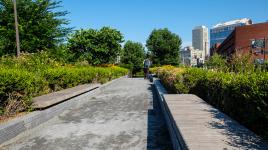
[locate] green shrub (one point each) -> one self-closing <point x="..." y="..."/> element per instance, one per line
<point x="36" y="74"/>
<point x="242" y="96"/>
<point x="31" y="62"/>
<point x="62" y="77"/>
<point x="216" y="62"/>
<point x="19" y="86"/>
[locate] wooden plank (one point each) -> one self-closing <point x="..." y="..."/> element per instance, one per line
<point x="203" y="127"/>
<point x="51" y="99"/>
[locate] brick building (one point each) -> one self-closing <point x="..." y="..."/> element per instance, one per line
<point x="240" y="42"/>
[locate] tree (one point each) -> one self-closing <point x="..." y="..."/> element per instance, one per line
<point x="217" y="62"/>
<point x="240" y="62"/>
<point x="41" y="27"/>
<point x="61" y="54"/>
<point x="133" y="56"/>
<point x="96" y="46"/>
<point x="164" y="47"/>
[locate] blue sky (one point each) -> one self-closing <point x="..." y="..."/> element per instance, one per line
<point x="137" y="18"/>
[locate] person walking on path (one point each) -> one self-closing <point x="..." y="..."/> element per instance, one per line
<point x="146" y="64"/>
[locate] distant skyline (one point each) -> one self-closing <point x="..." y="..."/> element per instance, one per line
<point x="137" y="18"/>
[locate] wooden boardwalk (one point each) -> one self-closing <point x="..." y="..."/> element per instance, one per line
<point x="51" y="99"/>
<point x="202" y="127"/>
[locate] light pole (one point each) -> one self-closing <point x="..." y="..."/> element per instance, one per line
<point x="16" y="28"/>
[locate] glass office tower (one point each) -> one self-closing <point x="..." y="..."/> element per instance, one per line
<point x="221" y="31"/>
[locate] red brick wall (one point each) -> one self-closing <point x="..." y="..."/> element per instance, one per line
<point x="240" y="40"/>
<point x="245" y="34"/>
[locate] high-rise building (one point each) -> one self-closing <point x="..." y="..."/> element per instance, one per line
<point x="200" y="39"/>
<point x="191" y="57"/>
<point x="221" y="31"/>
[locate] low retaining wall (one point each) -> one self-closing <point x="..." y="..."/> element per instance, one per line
<point x="194" y="124"/>
<point x="16" y="126"/>
<point x="176" y="139"/>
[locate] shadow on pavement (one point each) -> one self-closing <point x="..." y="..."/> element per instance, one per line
<point x="238" y="136"/>
<point x="158" y="137"/>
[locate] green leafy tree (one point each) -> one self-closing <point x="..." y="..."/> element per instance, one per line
<point x="41" y="26"/>
<point x="61" y="54"/>
<point x="133" y="55"/>
<point x="217" y="62"/>
<point x="164" y="47"/>
<point x="96" y="46"/>
<point x="242" y="63"/>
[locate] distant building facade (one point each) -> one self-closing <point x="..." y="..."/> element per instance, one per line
<point x="221" y="31"/>
<point x="241" y="39"/>
<point x="200" y="39"/>
<point x="191" y="57"/>
<point x="214" y="48"/>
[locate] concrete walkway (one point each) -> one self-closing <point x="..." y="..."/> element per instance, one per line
<point x="125" y="115"/>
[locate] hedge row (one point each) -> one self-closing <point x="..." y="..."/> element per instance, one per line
<point x="18" y="86"/>
<point x="244" y="97"/>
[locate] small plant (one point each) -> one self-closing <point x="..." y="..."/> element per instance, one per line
<point x="216" y="62"/>
<point x="242" y="63"/>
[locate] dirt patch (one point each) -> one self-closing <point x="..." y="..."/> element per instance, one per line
<point x="5" y="118"/>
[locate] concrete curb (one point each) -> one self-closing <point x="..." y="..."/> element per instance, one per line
<point x="177" y="141"/>
<point x="16" y="126"/>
